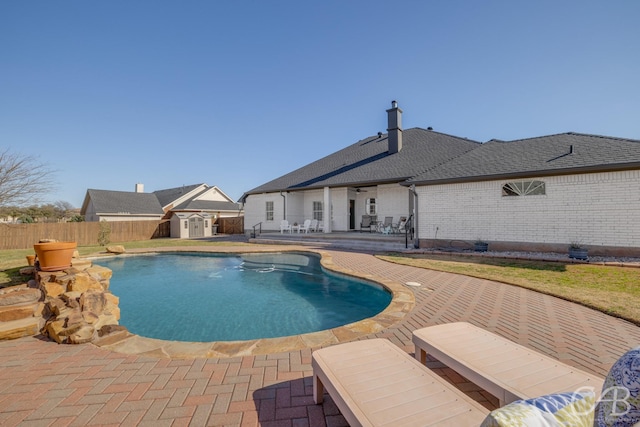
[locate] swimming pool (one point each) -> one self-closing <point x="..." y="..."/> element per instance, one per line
<point x="206" y="297"/>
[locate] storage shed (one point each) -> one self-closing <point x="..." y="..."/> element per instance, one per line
<point x="191" y="225"/>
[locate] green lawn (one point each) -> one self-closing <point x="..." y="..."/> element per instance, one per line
<point x="612" y="290"/>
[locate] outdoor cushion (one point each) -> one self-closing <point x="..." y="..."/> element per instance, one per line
<point x="619" y="405"/>
<point x="553" y="410"/>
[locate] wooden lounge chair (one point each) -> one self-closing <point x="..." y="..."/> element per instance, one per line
<point x="375" y="383"/>
<point x="505" y="369"/>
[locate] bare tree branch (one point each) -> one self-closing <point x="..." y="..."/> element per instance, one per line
<point x="23" y="179"/>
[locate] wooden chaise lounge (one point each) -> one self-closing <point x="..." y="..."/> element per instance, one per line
<point x="375" y="383"/>
<point x="505" y="369"/>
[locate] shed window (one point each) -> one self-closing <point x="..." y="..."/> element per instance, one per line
<point x="317" y="211"/>
<point x="524" y="188"/>
<point x="269" y="211"/>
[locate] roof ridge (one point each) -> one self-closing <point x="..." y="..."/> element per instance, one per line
<point x="461" y="138"/>
<point x="590" y="135"/>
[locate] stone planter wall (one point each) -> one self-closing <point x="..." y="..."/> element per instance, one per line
<point x="21" y="311"/>
<point x="70" y="306"/>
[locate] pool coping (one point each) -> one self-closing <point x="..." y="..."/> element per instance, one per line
<point x="402" y="303"/>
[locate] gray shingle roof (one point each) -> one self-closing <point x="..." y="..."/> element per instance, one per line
<point x="107" y="201"/>
<point x="171" y="194"/>
<point x="545" y="155"/>
<point x="126" y="202"/>
<point x="368" y="162"/>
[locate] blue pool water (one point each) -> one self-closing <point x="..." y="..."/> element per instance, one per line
<point x="213" y="297"/>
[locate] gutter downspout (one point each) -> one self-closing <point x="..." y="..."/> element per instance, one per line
<point x="416" y="241"/>
<point x="284" y="205"/>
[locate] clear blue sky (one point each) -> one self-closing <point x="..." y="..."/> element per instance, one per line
<point x="236" y="93"/>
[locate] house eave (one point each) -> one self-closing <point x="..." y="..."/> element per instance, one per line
<point x="528" y="174"/>
<point x="358" y="184"/>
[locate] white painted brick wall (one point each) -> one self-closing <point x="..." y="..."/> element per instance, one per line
<point x="255" y="211"/>
<point x="595" y="209"/>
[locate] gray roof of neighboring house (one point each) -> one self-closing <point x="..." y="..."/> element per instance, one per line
<point x="171" y="194"/>
<point x="107" y="201"/>
<point x="369" y="162"/>
<point x="134" y="203"/>
<point x="541" y="156"/>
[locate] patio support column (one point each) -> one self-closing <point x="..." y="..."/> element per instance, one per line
<point x="326" y="214"/>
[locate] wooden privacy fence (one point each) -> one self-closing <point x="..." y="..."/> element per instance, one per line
<point x="232" y="225"/>
<point x="23" y="236"/>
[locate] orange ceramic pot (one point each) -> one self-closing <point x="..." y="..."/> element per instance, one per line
<point x="54" y="256"/>
<point x="31" y="259"/>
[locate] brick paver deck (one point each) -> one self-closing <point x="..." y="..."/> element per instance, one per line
<point x="46" y="384"/>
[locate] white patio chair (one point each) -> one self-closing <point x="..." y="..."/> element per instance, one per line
<point x="304" y="228"/>
<point x="314" y="225"/>
<point x="285" y="226"/>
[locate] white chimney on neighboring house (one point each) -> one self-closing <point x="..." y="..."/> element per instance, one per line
<point x="395" y="128"/>
<point x="139" y="188"/>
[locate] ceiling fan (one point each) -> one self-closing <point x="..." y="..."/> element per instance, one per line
<point x="358" y="190"/>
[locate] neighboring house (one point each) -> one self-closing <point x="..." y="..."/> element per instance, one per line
<point x="532" y="194"/>
<point x="192" y="209"/>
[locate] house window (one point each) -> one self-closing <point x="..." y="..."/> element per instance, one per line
<point x="186" y="225"/>
<point x="524" y="188"/>
<point x="269" y="211"/>
<point x="317" y="211"/>
<point x="371" y="207"/>
<point x="206" y="223"/>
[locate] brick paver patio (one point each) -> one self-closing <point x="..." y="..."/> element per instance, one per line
<point x="46" y="384"/>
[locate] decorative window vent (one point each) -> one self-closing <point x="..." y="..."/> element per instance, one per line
<point x="524" y="188"/>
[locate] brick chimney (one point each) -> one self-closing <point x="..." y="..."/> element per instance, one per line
<point x="395" y="128"/>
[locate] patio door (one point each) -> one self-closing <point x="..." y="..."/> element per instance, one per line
<point x="352" y="214"/>
<point x="196" y="227"/>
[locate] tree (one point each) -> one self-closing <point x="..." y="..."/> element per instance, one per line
<point x="23" y="179"/>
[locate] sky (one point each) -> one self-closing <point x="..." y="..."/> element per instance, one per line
<point x="234" y="94"/>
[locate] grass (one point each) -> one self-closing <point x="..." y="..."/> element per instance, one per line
<point x="11" y="261"/>
<point x="612" y="290"/>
